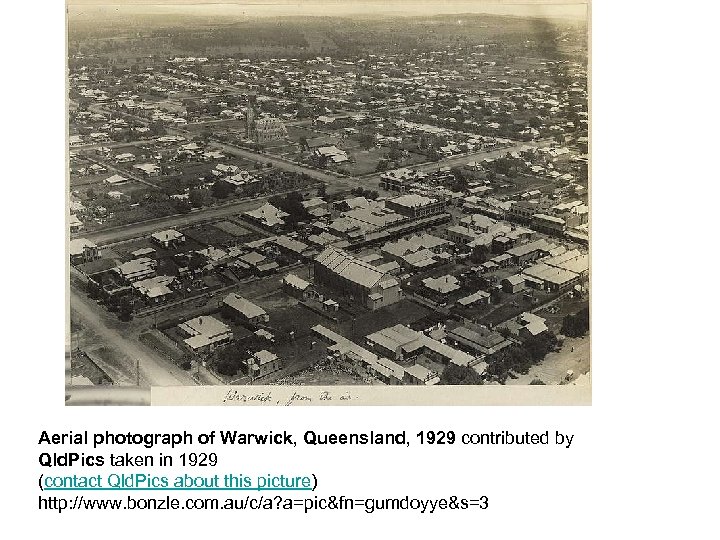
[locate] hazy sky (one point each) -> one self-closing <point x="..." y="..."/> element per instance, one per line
<point x="573" y="9"/>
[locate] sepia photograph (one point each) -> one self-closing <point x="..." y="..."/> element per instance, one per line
<point x="328" y="202"/>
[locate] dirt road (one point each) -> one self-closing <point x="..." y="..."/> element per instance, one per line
<point x="154" y="370"/>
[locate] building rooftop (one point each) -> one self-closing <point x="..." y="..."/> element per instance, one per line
<point x="204" y="325"/>
<point x="243" y="306"/>
<point x="412" y="200"/>
<point x="443" y="284"/>
<point x="78" y="245"/>
<point x="349" y="267"/>
<point x="167" y="235"/>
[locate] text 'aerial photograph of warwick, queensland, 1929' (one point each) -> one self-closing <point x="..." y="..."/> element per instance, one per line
<point x="361" y="195"/>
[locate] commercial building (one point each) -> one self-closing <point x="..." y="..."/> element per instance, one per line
<point x="400" y="179"/>
<point x="415" y="206"/>
<point x="404" y="344"/>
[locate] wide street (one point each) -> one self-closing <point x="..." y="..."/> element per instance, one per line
<point x="145" y="228"/>
<point x="334" y="184"/>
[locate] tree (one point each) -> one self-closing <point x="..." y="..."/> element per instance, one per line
<point x="576" y="325"/>
<point x="536" y="382"/>
<point x="94" y="289"/>
<point x="221" y="189"/>
<point x="126" y="309"/>
<point x="394" y="154"/>
<point x="292" y="204"/>
<point x="454" y="374"/>
<point x="479" y="254"/>
<point x="182" y="206"/>
<point x="199" y="197"/>
<point x="459" y="183"/>
<point x="538" y="346"/>
<point x="433" y="155"/>
<point x="366" y="141"/>
<point x="196" y="262"/>
<point x="186" y="362"/>
<point x="230" y="359"/>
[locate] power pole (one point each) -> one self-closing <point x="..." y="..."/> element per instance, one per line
<point x="137" y="372"/>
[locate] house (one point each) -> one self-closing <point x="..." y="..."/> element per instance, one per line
<point x="126" y="157"/>
<point x="214" y="256"/>
<point x="477" y="298"/>
<point x="295" y="285"/>
<point x="205" y="333"/>
<point x="357" y="279"/>
<point x="443" y="284"/>
<point x="476" y="338"/>
<point x="168" y="238"/>
<point x="137" y="269"/>
<point x="263" y="362"/>
<point x="222" y="169"/>
<point x="82" y="251"/>
<point x="257" y="263"/>
<point x="323" y="239"/>
<point x="239" y="308"/>
<point x="155" y="289"/>
<point x="419" y="251"/>
<point x="316" y="207"/>
<point x="241" y="178"/>
<point x="143" y="252"/>
<point x="76" y="225"/>
<point x="526" y="325"/>
<point x="513" y="284"/>
<point x="268" y="216"/>
<point x="116" y="180"/>
<point x="148" y="169"/>
<point x="331" y="153"/>
<point x="291" y="246"/>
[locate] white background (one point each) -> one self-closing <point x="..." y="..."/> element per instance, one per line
<point x="641" y="461"/>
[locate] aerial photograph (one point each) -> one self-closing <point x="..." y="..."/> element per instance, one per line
<point x="327" y="194"/>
